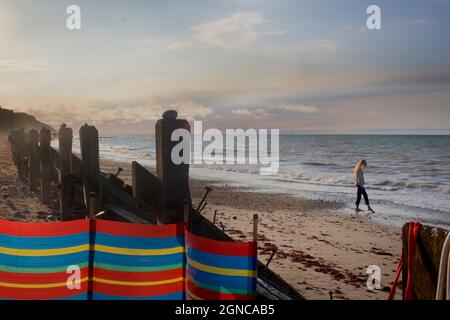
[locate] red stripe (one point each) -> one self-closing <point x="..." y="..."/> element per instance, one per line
<point x="397" y="275"/>
<point x="43" y="229"/>
<point x="138" y="276"/>
<point x="414" y="228"/>
<point x="220" y="247"/>
<point x="138" y="230"/>
<point x="213" y="295"/>
<point x="38" y="278"/>
<point x="135" y="291"/>
<point x="40" y="294"/>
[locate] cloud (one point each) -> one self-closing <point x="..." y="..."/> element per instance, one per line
<point x="241" y="112"/>
<point x="326" y="45"/>
<point x="238" y="30"/>
<point x="22" y="66"/>
<point x="259" y="113"/>
<point x="190" y="109"/>
<point x="295" y="108"/>
<point x="123" y="112"/>
<point x="178" y="45"/>
<point x="272" y="110"/>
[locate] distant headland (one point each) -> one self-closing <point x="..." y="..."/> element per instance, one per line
<point x="10" y="120"/>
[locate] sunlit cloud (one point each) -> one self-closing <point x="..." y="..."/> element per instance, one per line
<point x="295" y="108"/>
<point x="122" y="112"/>
<point x="273" y="110"/>
<point x="238" y="30"/>
<point x="241" y="112"/>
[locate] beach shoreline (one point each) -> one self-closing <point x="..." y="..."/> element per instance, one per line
<point x="320" y="250"/>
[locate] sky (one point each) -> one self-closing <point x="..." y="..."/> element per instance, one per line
<point x="295" y="65"/>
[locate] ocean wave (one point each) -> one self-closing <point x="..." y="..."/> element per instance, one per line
<point x="319" y="164"/>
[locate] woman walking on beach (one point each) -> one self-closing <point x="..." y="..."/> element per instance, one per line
<point x="358" y="179"/>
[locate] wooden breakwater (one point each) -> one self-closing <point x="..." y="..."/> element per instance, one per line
<point x="85" y="191"/>
<point x="423" y="269"/>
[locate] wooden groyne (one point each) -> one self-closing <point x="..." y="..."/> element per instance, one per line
<point x="423" y="269"/>
<point x="86" y="191"/>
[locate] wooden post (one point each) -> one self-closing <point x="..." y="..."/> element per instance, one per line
<point x="18" y="151"/>
<point x="65" y="137"/>
<point x="92" y="205"/>
<point x="45" y="137"/>
<point x="187" y="213"/>
<point x="174" y="177"/>
<point x="26" y="150"/>
<point x="33" y="159"/>
<point x="255" y="228"/>
<point x="13" y="145"/>
<point x="91" y="166"/>
<point x="214" y="218"/>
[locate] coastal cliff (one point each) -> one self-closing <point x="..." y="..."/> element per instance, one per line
<point x="10" y="120"/>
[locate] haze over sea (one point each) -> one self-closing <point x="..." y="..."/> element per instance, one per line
<point x="408" y="176"/>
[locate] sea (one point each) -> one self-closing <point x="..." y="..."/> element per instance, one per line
<point x="407" y="177"/>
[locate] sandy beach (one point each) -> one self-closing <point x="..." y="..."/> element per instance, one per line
<point x="17" y="203"/>
<point x="321" y="250"/>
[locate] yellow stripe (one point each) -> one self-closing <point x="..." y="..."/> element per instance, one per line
<point x="43" y="253"/>
<point x="138" y="252"/>
<point x="39" y="286"/>
<point x="222" y="271"/>
<point x="148" y="283"/>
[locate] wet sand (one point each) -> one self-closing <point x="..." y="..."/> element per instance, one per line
<point x="320" y="249"/>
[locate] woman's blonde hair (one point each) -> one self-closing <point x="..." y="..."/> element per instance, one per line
<point x="359" y="167"/>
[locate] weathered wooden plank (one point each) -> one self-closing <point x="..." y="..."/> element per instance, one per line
<point x="430" y="241"/>
<point x="91" y="166"/>
<point x="174" y="177"/>
<point x="33" y="159"/>
<point x="44" y="146"/>
<point x="146" y="188"/>
<point x="77" y="168"/>
<point x="121" y="214"/>
<point x="65" y="136"/>
<point x="114" y="193"/>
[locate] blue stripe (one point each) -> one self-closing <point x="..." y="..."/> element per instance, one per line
<point x="222" y="261"/>
<point x="44" y="262"/>
<point x="138" y="242"/>
<point x="171" y="296"/>
<point x="82" y="296"/>
<point x="227" y="282"/>
<point x="138" y="261"/>
<point x="43" y="243"/>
